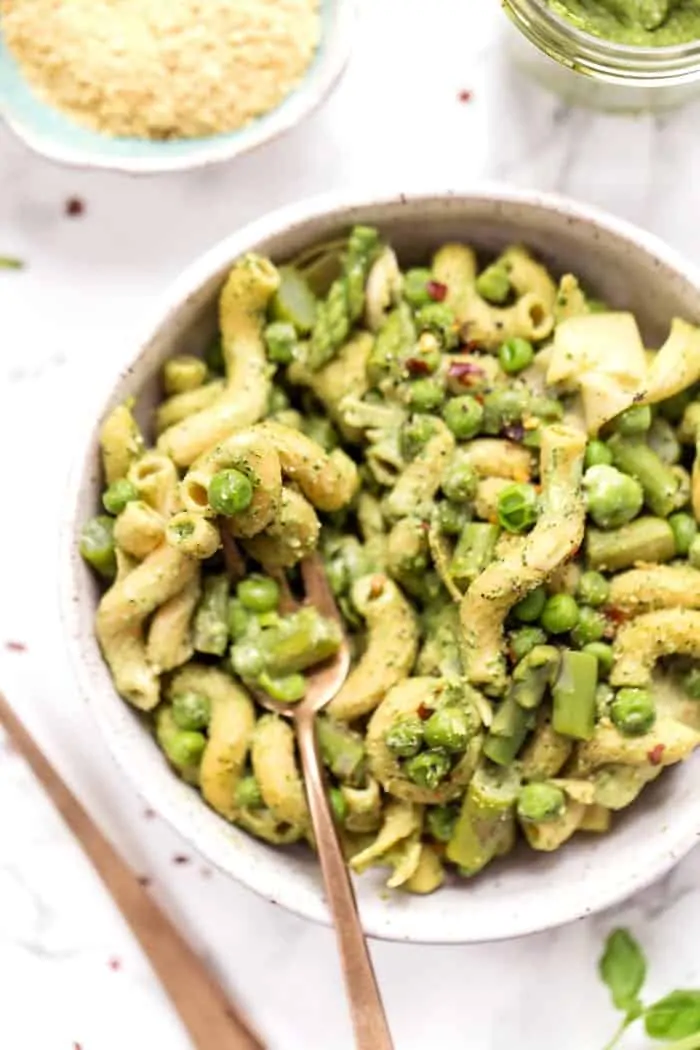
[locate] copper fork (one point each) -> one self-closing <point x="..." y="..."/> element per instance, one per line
<point x="323" y="682"/>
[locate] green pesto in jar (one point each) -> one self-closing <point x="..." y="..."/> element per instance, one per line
<point x="637" y="23"/>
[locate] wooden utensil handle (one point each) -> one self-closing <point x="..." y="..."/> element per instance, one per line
<point x="198" y="999"/>
<point x="369" y="1019"/>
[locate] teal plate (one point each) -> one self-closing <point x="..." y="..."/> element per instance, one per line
<point x="53" y="135"/>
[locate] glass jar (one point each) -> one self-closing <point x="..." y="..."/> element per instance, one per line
<point x="591" y="71"/>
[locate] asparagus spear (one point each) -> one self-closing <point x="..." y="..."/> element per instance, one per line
<point x="573" y="695"/>
<point x="210" y="629"/>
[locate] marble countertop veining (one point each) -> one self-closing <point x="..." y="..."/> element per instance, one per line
<point x="426" y="99"/>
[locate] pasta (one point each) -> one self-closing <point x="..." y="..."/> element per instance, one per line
<point x="504" y="484"/>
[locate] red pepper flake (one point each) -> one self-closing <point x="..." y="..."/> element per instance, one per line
<point x="181" y="858"/>
<point x="144" y="880"/>
<point x="615" y="615"/>
<point x="470" y="346"/>
<point x="417" y="366"/>
<point x="14" y="646"/>
<point x="149" y="813"/>
<point x="376" y="586"/>
<point x="465" y="95"/>
<point x="656" y="754"/>
<point x="115" y="963"/>
<point x="424" y="712"/>
<point x="466" y="372"/>
<point x="437" y="291"/>
<point x="74" y="207"/>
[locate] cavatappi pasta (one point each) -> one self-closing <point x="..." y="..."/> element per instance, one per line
<point x="504" y="483"/>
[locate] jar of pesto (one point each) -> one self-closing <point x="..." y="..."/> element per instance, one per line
<point x="616" y="55"/>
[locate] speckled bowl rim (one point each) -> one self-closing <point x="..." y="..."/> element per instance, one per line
<point x="317" y="84"/>
<point x="224" y="845"/>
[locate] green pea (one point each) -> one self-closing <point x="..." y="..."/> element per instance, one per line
<point x="593" y="589"/>
<point x="248" y="794"/>
<point x="691" y="683"/>
<point x="229" y="492"/>
<point x="591" y="626"/>
<point x="450" y="728"/>
<point x="428" y="768"/>
<point x="405" y="737"/>
<point x="339" y="806"/>
<point x="451" y="517"/>
<point x="529" y="609"/>
<point x="425" y="395"/>
<point x="463" y="416"/>
<point x="503" y="407"/>
<point x="694" y="553"/>
<point x="539" y="803"/>
<point x="286" y="688"/>
<point x="415" y="434"/>
<point x="214" y="356"/>
<point x="239" y="619"/>
<point x="281" y="342"/>
<point x="603" y="654"/>
<point x="604" y="697"/>
<point x="441" y="821"/>
<point x="546" y="408"/>
<point x="97" y="545"/>
<point x="612" y="498"/>
<point x="517" y="507"/>
<point x="633" y="421"/>
<point x="685" y="530"/>
<point x="515" y="354"/>
<point x="493" y="284"/>
<point x="459" y="481"/>
<point x="439" y="318"/>
<point x="416" y="287"/>
<point x="560" y="614"/>
<point x="185" y="748"/>
<point x="633" y="711"/>
<point x="258" y="593"/>
<point x="118" y="494"/>
<point x="524" y="640"/>
<point x="278" y="401"/>
<point x="191" y="710"/>
<point x="597" y="454"/>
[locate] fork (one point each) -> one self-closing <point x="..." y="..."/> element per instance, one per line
<point x="323" y="682"/>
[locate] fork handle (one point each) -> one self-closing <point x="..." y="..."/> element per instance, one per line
<point x="366" y="1007"/>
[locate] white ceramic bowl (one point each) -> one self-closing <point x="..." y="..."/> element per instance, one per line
<point x="49" y="133"/>
<point x="529" y="891"/>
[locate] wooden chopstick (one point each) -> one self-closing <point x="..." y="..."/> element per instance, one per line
<point x="211" y="1021"/>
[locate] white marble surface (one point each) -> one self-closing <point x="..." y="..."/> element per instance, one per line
<point x="70" y="973"/>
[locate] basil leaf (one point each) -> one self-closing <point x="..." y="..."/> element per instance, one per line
<point x="623" y="968"/>
<point x="675" y="1016"/>
<point x="7" y="262"/>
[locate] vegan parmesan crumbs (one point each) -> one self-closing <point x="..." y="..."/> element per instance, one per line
<point x="162" y="69"/>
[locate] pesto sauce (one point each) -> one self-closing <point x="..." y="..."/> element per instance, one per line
<point x="638" y="23"/>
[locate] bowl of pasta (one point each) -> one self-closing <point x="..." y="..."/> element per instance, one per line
<point x="480" y="408"/>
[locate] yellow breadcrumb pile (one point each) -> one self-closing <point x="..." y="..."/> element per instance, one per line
<point x="162" y="68"/>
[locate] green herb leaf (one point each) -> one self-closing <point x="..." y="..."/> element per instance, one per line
<point x="8" y="263"/>
<point x="623" y="968"/>
<point x="675" y="1016"/>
